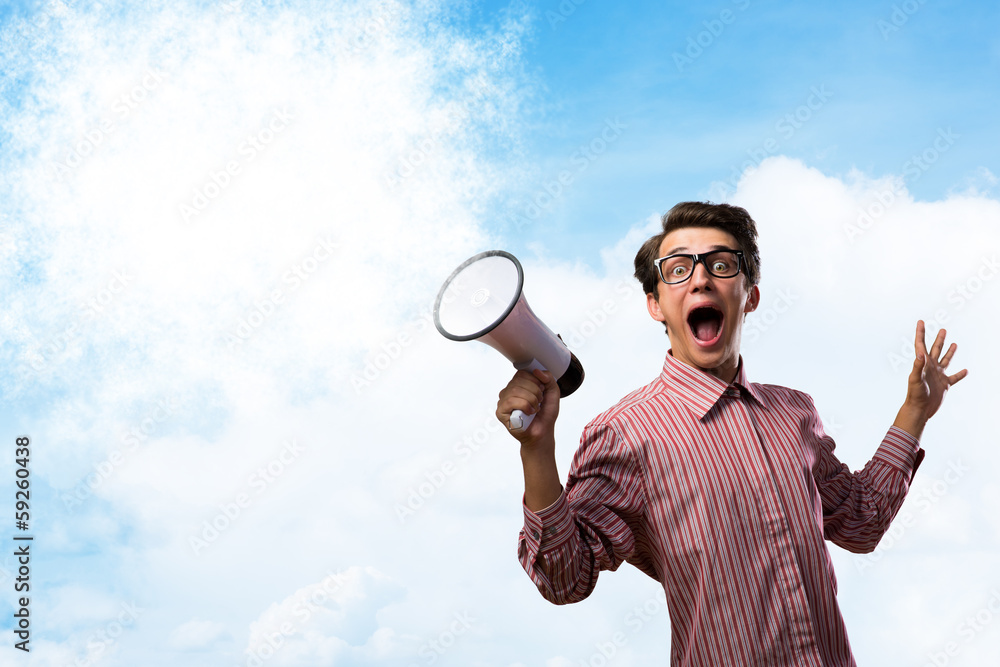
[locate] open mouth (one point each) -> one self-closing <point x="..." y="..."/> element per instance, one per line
<point x="705" y="323"/>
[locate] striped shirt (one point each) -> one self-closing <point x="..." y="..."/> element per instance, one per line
<point x="724" y="494"/>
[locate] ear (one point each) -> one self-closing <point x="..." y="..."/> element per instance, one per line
<point x="653" y="306"/>
<point x="753" y="300"/>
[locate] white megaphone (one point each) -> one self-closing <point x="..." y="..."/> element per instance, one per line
<point x="482" y="300"/>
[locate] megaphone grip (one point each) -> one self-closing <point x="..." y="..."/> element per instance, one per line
<point x="519" y="421"/>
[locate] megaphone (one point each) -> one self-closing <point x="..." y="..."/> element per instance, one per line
<point x="482" y="300"/>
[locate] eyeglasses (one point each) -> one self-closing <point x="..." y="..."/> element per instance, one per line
<point x="675" y="269"/>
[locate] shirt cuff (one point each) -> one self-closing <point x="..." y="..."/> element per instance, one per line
<point x="901" y="450"/>
<point x="548" y="528"/>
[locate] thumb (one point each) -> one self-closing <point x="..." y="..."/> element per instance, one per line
<point x="918" y="367"/>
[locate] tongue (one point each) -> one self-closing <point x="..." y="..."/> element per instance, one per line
<point x="706" y="329"/>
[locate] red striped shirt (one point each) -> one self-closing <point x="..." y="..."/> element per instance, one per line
<point x="724" y="494"/>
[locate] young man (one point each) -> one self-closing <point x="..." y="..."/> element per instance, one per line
<point x="720" y="488"/>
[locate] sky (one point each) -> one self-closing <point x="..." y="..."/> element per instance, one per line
<point x="222" y="232"/>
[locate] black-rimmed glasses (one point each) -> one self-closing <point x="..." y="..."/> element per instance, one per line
<point x="675" y="269"/>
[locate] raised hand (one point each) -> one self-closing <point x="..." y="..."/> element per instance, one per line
<point x="928" y="381"/>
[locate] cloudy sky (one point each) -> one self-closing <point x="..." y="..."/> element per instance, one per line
<point x="223" y="227"/>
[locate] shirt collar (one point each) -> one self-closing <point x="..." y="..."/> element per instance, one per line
<point x="698" y="390"/>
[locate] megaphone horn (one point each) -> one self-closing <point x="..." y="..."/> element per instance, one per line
<point x="482" y="300"/>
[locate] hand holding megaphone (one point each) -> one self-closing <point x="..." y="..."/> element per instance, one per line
<point x="482" y="300"/>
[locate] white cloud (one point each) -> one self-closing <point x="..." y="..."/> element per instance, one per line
<point x="334" y="619"/>
<point x="439" y="111"/>
<point x="197" y="634"/>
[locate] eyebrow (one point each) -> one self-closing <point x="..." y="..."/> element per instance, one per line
<point x="717" y="246"/>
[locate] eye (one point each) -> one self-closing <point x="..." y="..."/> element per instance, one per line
<point x="678" y="271"/>
<point x="720" y="266"/>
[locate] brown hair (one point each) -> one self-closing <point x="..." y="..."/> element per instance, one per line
<point x="728" y="218"/>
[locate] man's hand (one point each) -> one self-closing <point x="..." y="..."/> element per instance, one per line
<point x="928" y="382"/>
<point x="532" y="393"/>
<point x="535" y="393"/>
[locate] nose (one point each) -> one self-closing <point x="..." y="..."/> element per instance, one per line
<point x="700" y="277"/>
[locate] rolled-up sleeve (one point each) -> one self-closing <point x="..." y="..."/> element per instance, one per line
<point x="591" y="527"/>
<point x="858" y="507"/>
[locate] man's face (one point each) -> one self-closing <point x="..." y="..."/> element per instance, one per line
<point x="704" y="314"/>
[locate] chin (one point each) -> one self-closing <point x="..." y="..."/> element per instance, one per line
<point x="709" y="361"/>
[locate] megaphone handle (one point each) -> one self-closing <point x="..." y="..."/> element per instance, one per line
<point x="518" y="420"/>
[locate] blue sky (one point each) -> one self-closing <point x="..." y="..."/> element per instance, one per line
<point x="889" y="89"/>
<point x="224" y="227"/>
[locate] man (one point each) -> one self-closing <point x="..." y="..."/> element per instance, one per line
<point x="720" y="488"/>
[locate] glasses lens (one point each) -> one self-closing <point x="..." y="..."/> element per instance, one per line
<point x="723" y="264"/>
<point x="675" y="269"/>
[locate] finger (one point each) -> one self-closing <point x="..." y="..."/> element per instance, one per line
<point x="525" y="399"/>
<point x="958" y="376"/>
<point x="918" y="344"/>
<point x="526" y="380"/>
<point x="551" y="384"/>
<point x="946" y="359"/>
<point x="938" y="344"/>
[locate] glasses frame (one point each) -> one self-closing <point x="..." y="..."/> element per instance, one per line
<point x="700" y="259"/>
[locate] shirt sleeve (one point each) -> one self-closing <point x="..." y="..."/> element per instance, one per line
<point x="858" y="507"/>
<point x="591" y="527"/>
